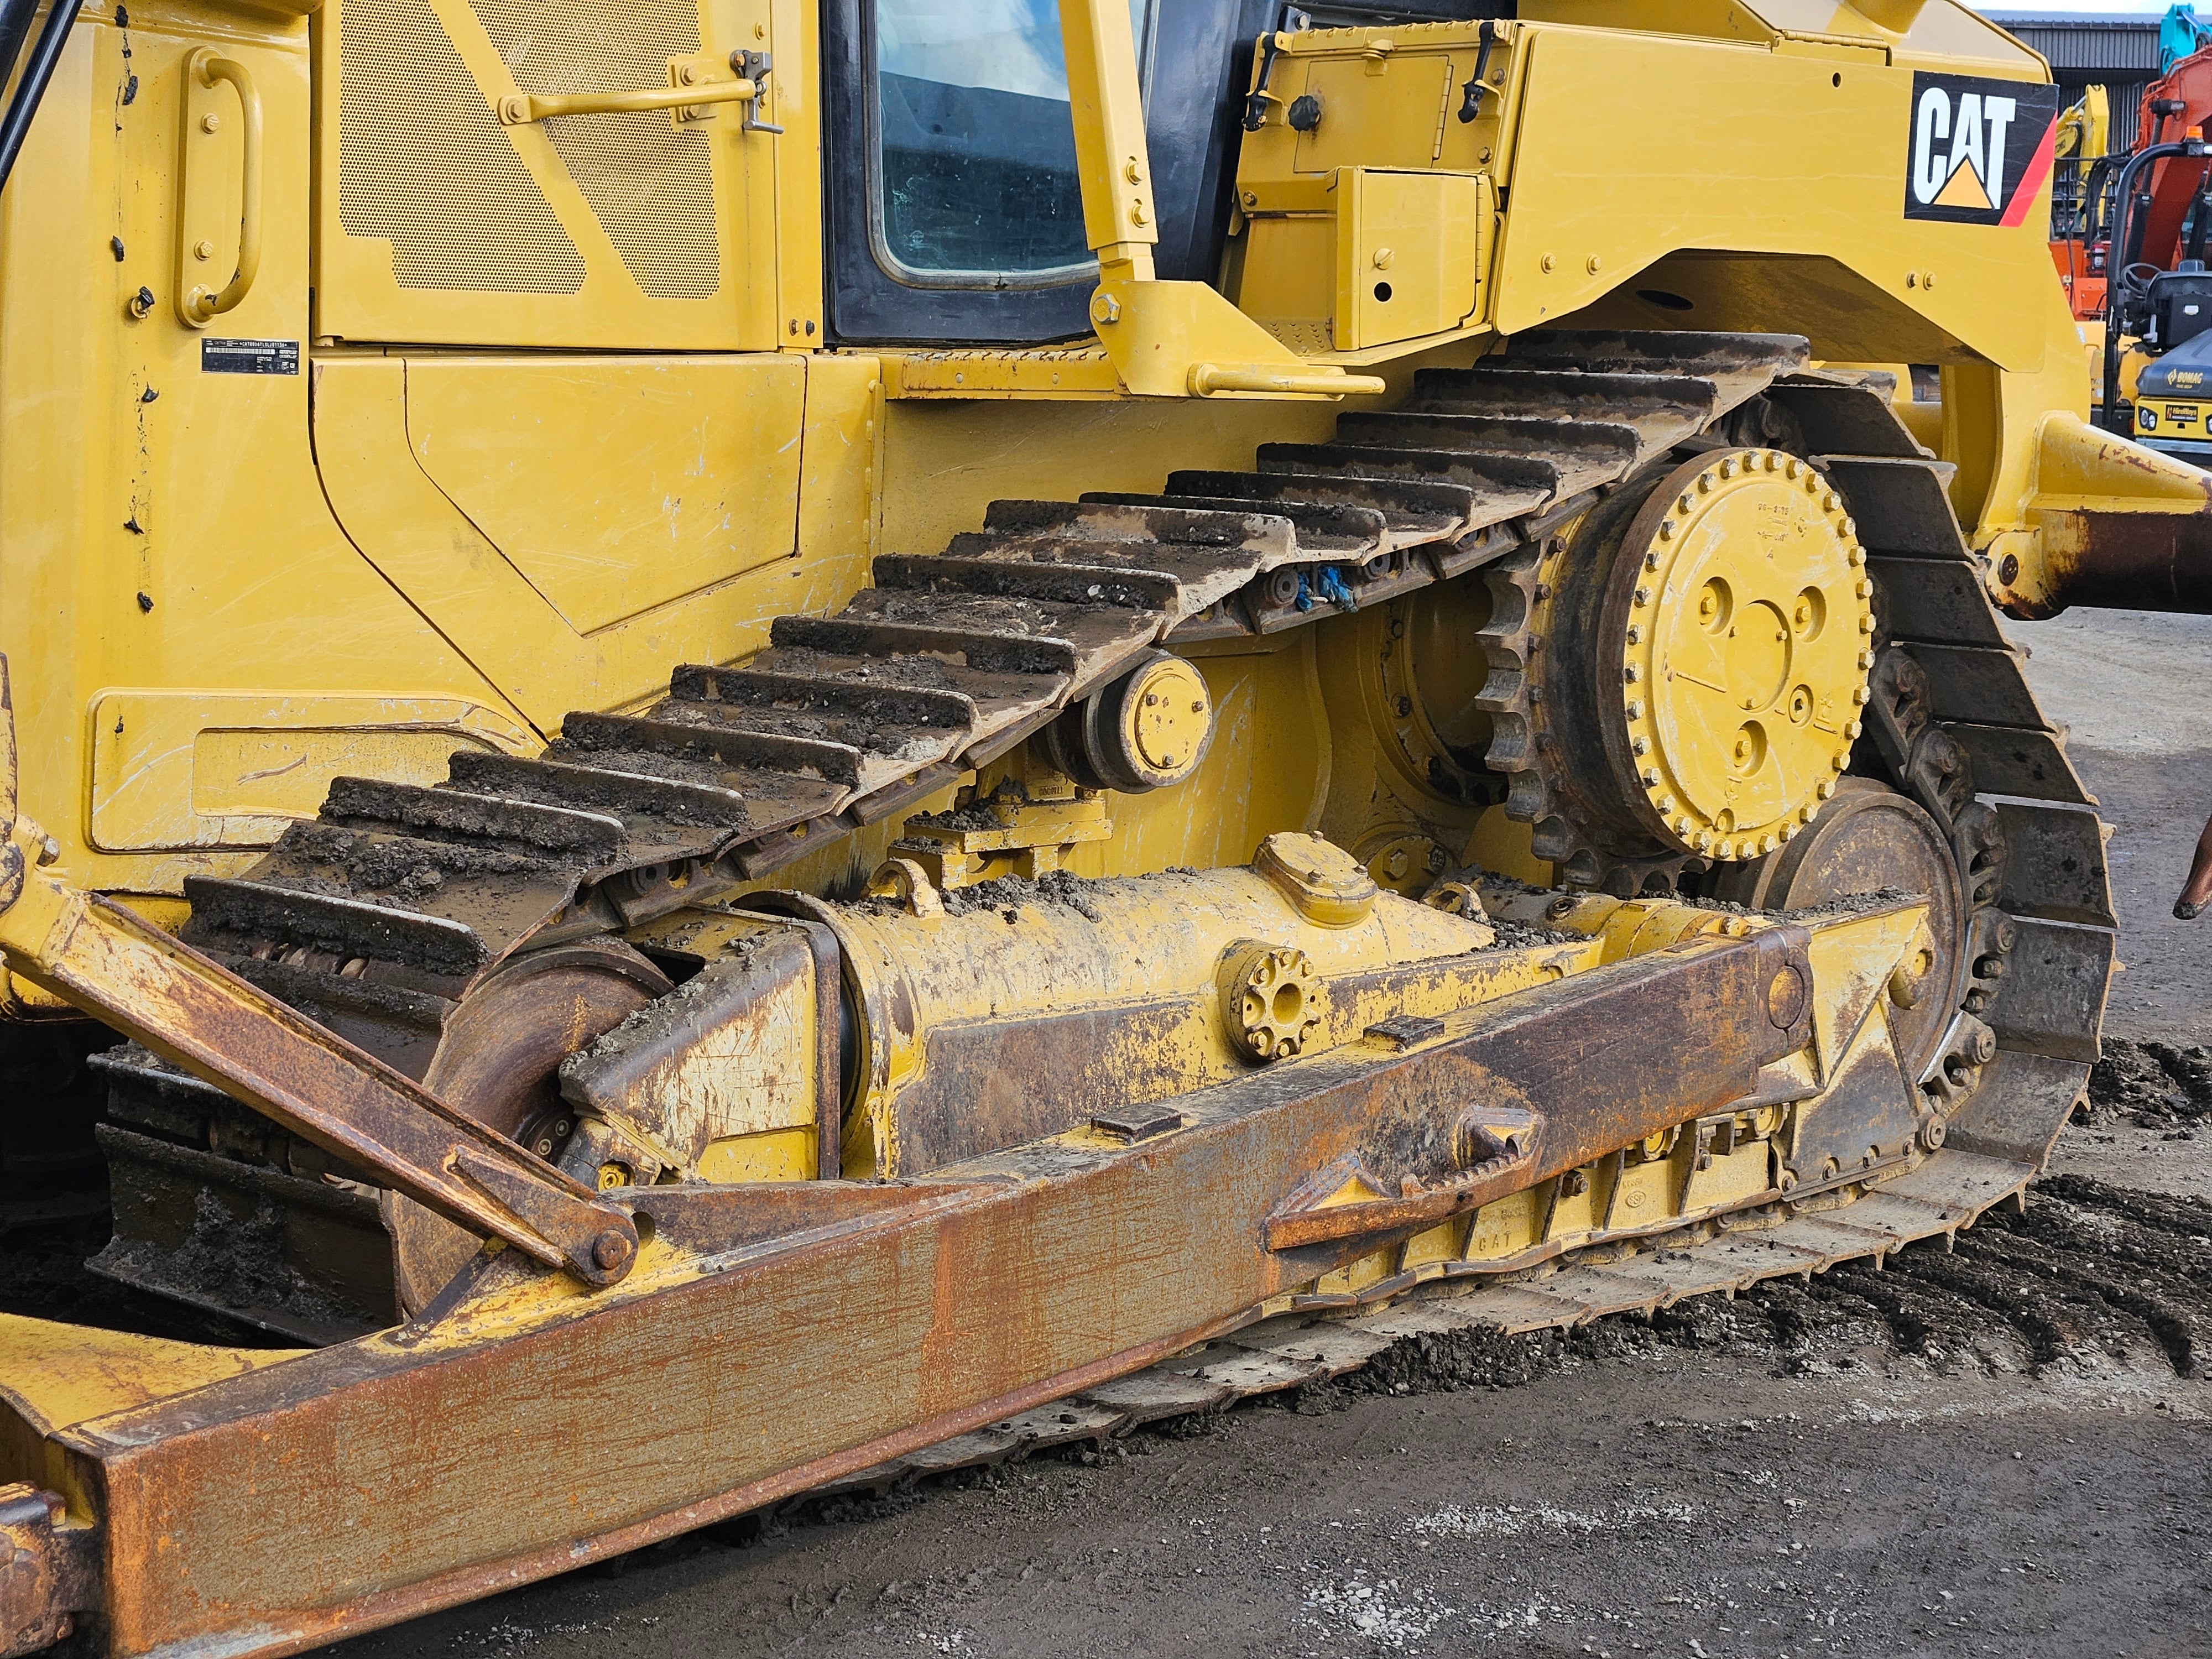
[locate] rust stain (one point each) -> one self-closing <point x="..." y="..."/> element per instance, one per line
<point x="2130" y="560"/>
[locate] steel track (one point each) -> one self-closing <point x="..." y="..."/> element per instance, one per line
<point x="384" y="910"/>
<point x="379" y="915"/>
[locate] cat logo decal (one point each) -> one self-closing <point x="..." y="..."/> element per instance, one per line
<point x="1980" y="150"/>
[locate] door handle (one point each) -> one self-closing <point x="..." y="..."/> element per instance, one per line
<point x="688" y="94"/>
<point x="204" y="71"/>
<point x="524" y="107"/>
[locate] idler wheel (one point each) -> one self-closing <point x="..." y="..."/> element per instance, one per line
<point x="1867" y="838"/>
<point x="499" y="1061"/>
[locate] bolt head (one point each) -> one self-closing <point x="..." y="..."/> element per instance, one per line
<point x="609" y="1250"/>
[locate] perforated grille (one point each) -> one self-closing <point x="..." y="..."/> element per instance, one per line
<point x="423" y="163"/>
<point x="651" y="186"/>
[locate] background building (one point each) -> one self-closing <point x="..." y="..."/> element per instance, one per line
<point x="2117" y="51"/>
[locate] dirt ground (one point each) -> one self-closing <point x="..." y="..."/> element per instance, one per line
<point x="2006" y="1449"/>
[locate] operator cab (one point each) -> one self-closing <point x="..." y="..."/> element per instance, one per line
<point x="955" y="213"/>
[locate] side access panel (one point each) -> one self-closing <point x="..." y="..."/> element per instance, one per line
<point x="578" y="524"/>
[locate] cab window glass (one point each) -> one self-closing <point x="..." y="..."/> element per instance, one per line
<point x="975" y="178"/>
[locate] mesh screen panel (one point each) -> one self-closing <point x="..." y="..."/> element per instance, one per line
<point x="424" y="162"/>
<point x="651" y="185"/>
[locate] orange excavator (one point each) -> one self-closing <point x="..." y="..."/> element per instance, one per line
<point x="2129" y="244"/>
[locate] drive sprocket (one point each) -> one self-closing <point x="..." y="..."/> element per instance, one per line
<point x="1680" y="677"/>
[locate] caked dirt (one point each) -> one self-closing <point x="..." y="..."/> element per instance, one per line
<point x="2005" y="1447"/>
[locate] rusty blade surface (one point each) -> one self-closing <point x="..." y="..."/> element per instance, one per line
<point x="186" y="1008"/>
<point x="998" y="1285"/>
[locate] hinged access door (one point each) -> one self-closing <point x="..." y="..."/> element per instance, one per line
<point x="452" y="208"/>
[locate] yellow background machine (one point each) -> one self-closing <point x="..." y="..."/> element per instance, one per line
<point x="784" y="730"/>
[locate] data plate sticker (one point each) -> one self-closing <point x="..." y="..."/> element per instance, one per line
<point x="249" y="357"/>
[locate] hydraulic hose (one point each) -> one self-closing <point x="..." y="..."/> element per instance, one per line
<point x="14" y="28"/>
<point x="38" y="69"/>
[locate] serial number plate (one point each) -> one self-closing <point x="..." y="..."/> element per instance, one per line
<point x="249" y="357"/>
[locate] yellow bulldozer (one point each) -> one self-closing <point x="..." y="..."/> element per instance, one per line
<point x="788" y="744"/>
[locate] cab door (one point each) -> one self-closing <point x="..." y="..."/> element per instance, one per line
<point x="548" y="402"/>
<point x="438" y="222"/>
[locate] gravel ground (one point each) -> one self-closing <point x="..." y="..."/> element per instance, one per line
<point x="2004" y="1449"/>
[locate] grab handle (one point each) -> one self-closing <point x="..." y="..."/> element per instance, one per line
<point x="203" y="71"/>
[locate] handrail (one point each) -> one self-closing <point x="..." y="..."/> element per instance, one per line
<point x="522" y="108"/>
<point x="197" y="307"/>
<point x="1206" y="380"/>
